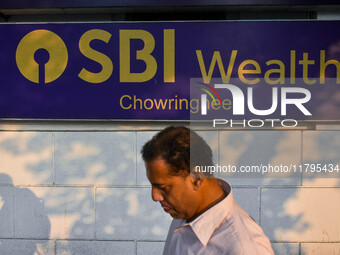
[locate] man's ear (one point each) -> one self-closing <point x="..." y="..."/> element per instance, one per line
<point x="196" y="179"/>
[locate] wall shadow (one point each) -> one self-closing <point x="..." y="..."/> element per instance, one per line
<point x="31" y="220"/>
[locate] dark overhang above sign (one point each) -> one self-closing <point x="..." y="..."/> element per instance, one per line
<point x="19" y="4"/>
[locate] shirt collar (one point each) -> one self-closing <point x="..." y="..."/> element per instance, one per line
<point x="205" y="225"/>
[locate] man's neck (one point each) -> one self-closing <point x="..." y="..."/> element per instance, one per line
<point x="212" y="194"/>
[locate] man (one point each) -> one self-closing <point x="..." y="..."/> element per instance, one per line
<point x="206" y="218"/>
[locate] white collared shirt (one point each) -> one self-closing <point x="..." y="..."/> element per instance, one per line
<point x="224" y="229"/>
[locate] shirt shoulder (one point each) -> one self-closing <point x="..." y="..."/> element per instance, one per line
<point x="247" y="232"/>
<point x="176" y="223"/>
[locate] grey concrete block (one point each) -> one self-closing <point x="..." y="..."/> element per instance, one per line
<point x="150" y="248"/>
<point x="6" y="212"/>
<point x="129" y="214"/>
<point x="26" y="247"/>
<point x="286" y="248"/>
<point x="31" y="217"/>
<point x="320" y="248"/>
<point x="95" y="158"/>
<point x="272" y="153"/>
<point x="248" y="199"/>
<point x="54" y="212"/>
<point x="26" y="158"/>
<point x="301" y="214"/>
<point x="95" y="247"/>
<point x="321" y="158"/>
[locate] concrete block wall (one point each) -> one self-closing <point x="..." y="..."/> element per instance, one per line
<point x="81" y="188"/>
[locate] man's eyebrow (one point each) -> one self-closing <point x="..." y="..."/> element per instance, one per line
<point x="158" y="184"/>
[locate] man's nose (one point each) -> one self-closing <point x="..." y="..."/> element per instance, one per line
<point x="156" y="195"/>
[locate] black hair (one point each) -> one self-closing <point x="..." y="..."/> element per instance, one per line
<point x="183" y="149"/>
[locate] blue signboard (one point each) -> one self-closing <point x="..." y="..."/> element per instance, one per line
<point x="146" y="70"/>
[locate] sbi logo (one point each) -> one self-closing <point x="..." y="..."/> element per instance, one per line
<point x="42" y="56"/>
<point x="32" y="44"/>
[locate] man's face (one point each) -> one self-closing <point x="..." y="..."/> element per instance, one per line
<point x="175" y="193"/>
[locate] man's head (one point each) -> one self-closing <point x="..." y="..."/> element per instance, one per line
<point x="181" y="148"/>
<point x="169" y="156"/>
